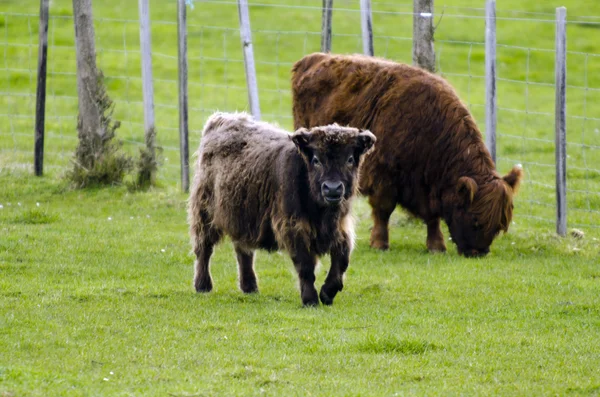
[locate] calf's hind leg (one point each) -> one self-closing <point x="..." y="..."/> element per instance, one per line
<point x="245" y="260"/>
<point x="204" y="238"/>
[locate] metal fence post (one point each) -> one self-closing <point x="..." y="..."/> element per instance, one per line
<point x="490" y="77"/>
<point x="184" y="153"/>
<point x="147" y="84"/>
<point x="423" y="53"/>
<point x="366" y="23"/>
<point x="246" y="36"/>
<point x="561" y="121"/>
<point x="326" y="26"/>
<point x="40" y="99"/>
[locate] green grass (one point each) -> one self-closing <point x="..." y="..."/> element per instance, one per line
<point x="97" y="284"/>
<point x="96" y="298"/>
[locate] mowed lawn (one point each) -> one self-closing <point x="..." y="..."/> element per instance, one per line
<point x="96" y="293"/>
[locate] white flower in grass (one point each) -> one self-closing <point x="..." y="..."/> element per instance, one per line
<point x="1" y="206"/>
<point x="110" y="218"/>
<point x="37" y="204"/>
<point x="19" y="204"/>
<point x="105" y="379"/>
<point x="162" y="250"/>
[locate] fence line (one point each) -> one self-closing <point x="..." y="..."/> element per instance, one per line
<point x="216" y="81"/>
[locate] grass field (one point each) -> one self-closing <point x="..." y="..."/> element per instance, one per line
<point x="96" y="292"/>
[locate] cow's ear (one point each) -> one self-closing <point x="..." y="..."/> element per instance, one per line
<point x="466" y="189"/>
<point x="513" y="178"/>
<point x="366" y="140"/>
<point x="301" y="138"/>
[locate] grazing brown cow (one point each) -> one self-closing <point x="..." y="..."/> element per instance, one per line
<point x="268" y="189"/>
<point x="430" y="157"/>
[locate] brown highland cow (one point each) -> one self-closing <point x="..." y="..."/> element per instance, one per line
<point x="268" y="189"/>
<point x="430" y="157"/>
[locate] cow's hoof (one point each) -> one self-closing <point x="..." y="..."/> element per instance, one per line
<point x="437" y="250"/>
<point x="436" y="246"/>
<point x="380" y="245"/>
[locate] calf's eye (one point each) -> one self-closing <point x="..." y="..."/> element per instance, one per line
<point x="315" y="161"/>
<point x="351" y="160"/>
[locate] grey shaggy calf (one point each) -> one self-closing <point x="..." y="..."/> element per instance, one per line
<point x="268" y="189"/>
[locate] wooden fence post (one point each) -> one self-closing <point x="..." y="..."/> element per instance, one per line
<point x="40" y="99"/>
<point x="147" y="84"/>
<point x="366" y="23"/>
<point x="88" y="84"/>
<point x="490" y="77"/>
<point x="561" y="121"/>
<point x="423" y="53"/>
<point x="184" y="153"/>
<point x="246" y="36"/>
<point x="326" y="26"/>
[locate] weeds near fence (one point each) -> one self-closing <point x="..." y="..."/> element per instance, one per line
<point x="99" y="158"/>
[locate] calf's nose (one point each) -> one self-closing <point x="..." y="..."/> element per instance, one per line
<point x="334" y="190"/>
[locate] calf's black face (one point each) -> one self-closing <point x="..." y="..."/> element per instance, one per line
<point x="332" y="155"/>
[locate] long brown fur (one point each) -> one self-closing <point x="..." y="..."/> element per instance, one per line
<point x="427" y="143"/>
<point x="256" y="183"/>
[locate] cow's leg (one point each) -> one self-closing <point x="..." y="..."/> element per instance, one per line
<point x="340" y="258"/>
<point x="382" y="207"/>
<point x="305" y="263"/>
<point x="245" y="260"/>
<point x="435" y="238"/>
<point x="204" y="238"/>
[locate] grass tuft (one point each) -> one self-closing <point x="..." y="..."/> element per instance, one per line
<point x="379" y="345"/>
<point x="36" y="217"/>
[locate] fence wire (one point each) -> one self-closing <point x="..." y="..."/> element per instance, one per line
<point x="217" y="82"/>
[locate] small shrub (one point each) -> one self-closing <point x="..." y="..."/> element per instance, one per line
<point x="99" y="159"/>
<point x="147" y="164"/>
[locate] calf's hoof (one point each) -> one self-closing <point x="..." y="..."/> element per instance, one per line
<point x="203" y="285"/>
<point x="250" y="288"/>
<point x="326" y="299"/>
<point x="328" y="293"/>
<point x="310" y="297"/>
<point x="380" y="245"/>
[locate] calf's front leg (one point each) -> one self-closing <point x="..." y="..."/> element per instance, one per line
<point x="340" y="258"/>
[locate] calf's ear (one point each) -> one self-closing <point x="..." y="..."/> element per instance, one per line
<point x="301" y="138"/>
<point x="466" y="188"/>
<point x="366" y="140"/>
<point x="513" y="178"/>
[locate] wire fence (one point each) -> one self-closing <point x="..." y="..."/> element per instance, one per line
<point x="217" y="82"/>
